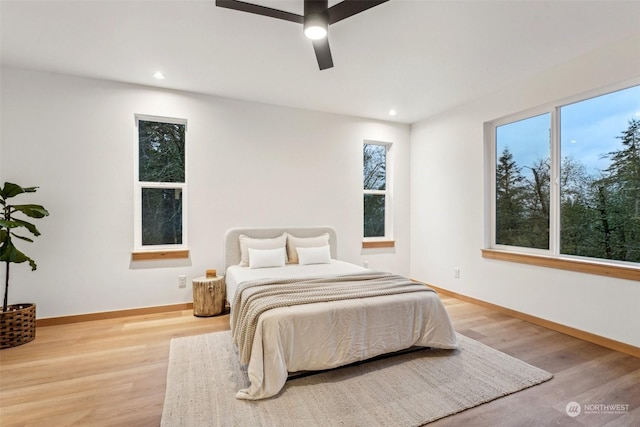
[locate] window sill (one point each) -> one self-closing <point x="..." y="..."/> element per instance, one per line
<point x="588" y="267"/>
<point x="158" y="255"/>
<point x="374" y="244"/>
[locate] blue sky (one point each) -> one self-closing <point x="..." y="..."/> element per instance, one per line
<point x="588" y="130"/>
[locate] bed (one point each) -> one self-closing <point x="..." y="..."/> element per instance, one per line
<point x="314" y="312"/>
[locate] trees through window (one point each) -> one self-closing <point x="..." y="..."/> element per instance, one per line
<point x="522" y="188"/>
<point x="375" y="186"/>
<point x="161" y="182"/>
<point x="590" y="150"/>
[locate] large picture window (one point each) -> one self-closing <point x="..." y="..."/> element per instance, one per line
<point x="161" y="183"/>
<point x="377" y="215"/>
<point x="566" y="179"/>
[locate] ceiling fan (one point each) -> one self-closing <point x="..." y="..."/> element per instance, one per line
<point x="316" y="19"/>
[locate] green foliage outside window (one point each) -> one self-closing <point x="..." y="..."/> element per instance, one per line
<point x="523" y="192"/>
<point x="375" y="180"/>
<point x="161" y="151"/>
<point x="374" y="215"/>
<point x="603" y="220"/>
<point x="161" y="216"/>
<point x="161" y="160"/>
<point x="599" y="211"/>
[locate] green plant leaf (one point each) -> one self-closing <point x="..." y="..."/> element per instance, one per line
<point x="16" y="223"/>
<point x="22" y="237"/>
<point x="32" y="211"/>
<point x="20" y="223"/>
<point x="9" y="253"/>
<point x="11" y="190"/>
<point x="8" y="224"/>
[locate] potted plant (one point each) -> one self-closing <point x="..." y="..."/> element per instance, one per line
<point x="17" y="321"/>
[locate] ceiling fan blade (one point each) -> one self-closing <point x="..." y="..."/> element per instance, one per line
<point x="260" y="10"/>
<point x="323" y="53"/>
<point x="347" y="8"/>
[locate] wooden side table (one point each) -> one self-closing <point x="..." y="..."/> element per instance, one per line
<point x="208" y="296"/>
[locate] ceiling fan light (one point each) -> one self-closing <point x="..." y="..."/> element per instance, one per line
<point x="315" y="26"/>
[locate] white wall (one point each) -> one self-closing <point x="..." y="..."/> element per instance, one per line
<point x="248" y="165"/>
<point x="448" y="216"/>
<point x="258" y="165"/>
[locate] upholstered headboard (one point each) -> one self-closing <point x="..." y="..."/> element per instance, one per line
<point x="232" y="243"/>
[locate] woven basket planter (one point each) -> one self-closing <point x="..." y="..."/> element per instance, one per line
<point x="17" y="325"/>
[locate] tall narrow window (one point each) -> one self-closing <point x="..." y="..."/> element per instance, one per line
<point x="523" y="183"/>
<point x="161" y="183"/>
<point x="376" y="190"/>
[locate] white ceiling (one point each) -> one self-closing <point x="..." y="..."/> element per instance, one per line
<point x="419" y="57"/>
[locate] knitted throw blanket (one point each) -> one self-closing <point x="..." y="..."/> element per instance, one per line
<point x="255" y="297"/>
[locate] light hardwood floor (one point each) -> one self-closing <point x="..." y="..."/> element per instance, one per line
<point x="112" y="372"/>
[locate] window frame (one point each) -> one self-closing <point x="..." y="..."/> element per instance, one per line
<point x="387" y="239"/>
<point x="491" y="152"/>
<point x="146" y="252"/>
<point x="551" y="257"/>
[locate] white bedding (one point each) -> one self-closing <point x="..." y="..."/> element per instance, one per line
<point x="325" y="335"/>
<point x="236" y="274"/>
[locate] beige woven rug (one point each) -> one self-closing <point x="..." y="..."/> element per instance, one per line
<point x="405" y="390"/>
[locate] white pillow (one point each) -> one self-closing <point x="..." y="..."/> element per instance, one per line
<point x="319" y="255"/>
<point x="294" y="242"/>
<point x="262" y="258"/>
<point x="248" y="242"/>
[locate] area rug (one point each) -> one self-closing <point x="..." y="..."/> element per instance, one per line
<point x="410" y="389"/>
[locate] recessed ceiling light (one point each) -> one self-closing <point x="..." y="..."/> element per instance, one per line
<point x="158" y="75"/>
<point x="392" y="112"/>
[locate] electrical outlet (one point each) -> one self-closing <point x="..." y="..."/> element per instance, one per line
<point x="182" y="281"/>
<point x="365" y="264"/>
<point x="456" y="272"/>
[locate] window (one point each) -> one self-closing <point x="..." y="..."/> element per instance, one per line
<point x="600" y="177"/>
<point x="161" y="183"/>
<point x="377" y="197"/>
<point x="523" y="183"/>
<point x="565" y="180"/>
